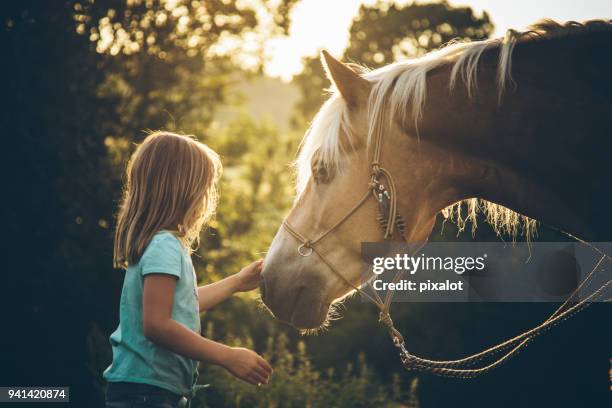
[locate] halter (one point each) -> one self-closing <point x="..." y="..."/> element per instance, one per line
<point x="390" y="220"/>
<point x="388" y="217"/>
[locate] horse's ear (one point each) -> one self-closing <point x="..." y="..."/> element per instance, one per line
<point x="352" y="86"/>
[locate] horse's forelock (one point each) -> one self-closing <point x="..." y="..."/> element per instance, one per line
<point x="322" y="139"/>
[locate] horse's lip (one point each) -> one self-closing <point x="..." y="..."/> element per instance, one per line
<point x="280" y="313"/>
<point x="303" y="322"/>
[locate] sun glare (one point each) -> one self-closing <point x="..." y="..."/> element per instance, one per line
<point x="324" y="24"/>
<point x="316" y="25"/>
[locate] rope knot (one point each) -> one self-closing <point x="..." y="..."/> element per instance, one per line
<point x="396" y="336"/>
<point x="375" y="168"/>
<point x="385" y="319"/>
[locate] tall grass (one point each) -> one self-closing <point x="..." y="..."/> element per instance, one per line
<point x="296" y="383"/>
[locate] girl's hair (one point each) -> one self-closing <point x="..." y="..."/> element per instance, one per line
<point x="171" y="185"/>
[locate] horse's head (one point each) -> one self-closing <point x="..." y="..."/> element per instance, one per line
<point x="334" y="171"/>
<point x="437" y="153"/>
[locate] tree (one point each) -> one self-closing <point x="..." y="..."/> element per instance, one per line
<point x="59" y="199"/>
<point x="384" y="33"/>
<point x="169" y="64"/>
<point x="82" y="80"/>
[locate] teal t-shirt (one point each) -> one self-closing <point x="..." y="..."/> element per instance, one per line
<point x="137" y="359"/>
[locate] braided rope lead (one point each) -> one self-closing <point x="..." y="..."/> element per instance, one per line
<point x="449" y="368"/>
<point x="471" y="360"/>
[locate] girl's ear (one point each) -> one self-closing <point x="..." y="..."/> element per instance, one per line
<point x="353" y="87"/>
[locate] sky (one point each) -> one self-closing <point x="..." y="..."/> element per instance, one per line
<point x="324" y="24"/>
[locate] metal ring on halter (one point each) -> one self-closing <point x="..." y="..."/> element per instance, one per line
<point x="304" y="250"/>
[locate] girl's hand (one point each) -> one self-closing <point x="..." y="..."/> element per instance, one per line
<point x="248" y="366"/>
<point x="249" y="277"/>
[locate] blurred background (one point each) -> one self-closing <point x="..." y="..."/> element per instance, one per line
<point x="82" y="83"/>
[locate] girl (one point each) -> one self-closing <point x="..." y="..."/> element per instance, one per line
<point x="170" y="194"/>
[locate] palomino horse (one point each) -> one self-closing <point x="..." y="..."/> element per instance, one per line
<point x="519" y="125"/>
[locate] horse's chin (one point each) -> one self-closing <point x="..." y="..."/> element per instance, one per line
<point x="310" y="317"/>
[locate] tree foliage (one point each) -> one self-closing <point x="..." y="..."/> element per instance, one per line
<point x="82" y="80"/>
<point x="385" y="32"/>
<point x="168" y="64"/>
<point x="256" y="190"/>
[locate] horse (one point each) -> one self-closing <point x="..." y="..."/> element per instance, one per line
<point x="516" y="127"/>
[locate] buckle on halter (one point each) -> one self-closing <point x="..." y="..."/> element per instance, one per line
<point x="304" y="250"/>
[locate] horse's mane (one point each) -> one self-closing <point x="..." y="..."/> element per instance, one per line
<point x="403" y="84"/>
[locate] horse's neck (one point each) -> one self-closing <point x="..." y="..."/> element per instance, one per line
<point x="547" y="144"/>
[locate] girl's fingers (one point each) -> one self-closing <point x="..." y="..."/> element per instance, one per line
<point x="257" y="379"/>
<point x="263" y="379"/>
<point x="262" y="372"/>
<point x="265" y="365"/>
<point x="251" y="380"/>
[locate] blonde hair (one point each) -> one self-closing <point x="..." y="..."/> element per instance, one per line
<point x="171" y="185"/>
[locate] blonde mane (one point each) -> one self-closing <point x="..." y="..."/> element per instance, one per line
<point x="403" y="84"/>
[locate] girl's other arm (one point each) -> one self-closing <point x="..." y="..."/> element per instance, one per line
<point x="159" y="328"/>
<point x="247" y="279"/>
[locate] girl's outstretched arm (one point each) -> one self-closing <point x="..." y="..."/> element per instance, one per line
<point x="158" y="327"/>
<point x="247" y="279"/>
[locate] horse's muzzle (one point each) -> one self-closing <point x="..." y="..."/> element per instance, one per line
<point x="293" y="298"/>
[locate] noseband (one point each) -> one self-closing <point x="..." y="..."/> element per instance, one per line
<point x="381" y="187"/>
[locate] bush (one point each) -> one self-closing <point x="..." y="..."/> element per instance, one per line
<point x="296" y="383"/>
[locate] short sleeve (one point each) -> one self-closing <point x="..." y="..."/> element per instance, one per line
<point x="163" y="255"/>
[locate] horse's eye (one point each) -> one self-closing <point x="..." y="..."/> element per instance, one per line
<point x="320" y="173"/>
